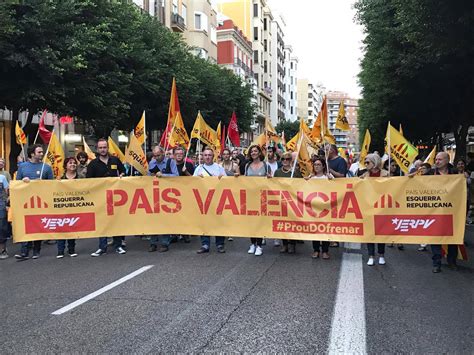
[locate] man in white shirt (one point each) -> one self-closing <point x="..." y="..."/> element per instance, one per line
<point x="206" y="169"/>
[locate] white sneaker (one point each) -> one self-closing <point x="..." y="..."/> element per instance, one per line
<point x="121" y="250"/>
<point x="371" y="261"/>
<point x="99" y="252"/>
<point x="264" y="241"/>
<point x="258" y="251"/>
<point x="381" y="260"/>
<point x="230" y="239"/>
<point x="276" y="242"/>
<point x="252" y="249"/>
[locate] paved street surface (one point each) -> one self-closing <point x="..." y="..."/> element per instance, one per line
<point x="236" y="302"/>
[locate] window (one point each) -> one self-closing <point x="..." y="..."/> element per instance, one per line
<point x="255" y="57"/>
<point x="197" y="21"/>
<point x="265" y="45"/>
<point x="175" y="7"/>
<point x="265" y="66"/>
<point x="291" y="65"/>
<point x="255" y="10"/>
<point x="213" y="34"/>
<point x="291" y="95"/>
<point x="200" y="21"/>
<point x="255" y="33"/>
<point x="291" y="109"/>
<point x="184" y="12"/>
<point x="265" y="24"/>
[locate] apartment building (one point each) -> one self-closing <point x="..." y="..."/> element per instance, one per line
<point x="196" y="20"/>
<point x="278" y="104"/>
<point x="254" y="18"/>
<point x="307" y="101"/>
<point x="344" y="139"/>
<point x="290" y="84"/>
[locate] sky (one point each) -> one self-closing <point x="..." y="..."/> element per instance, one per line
<point x="325" y="39"/>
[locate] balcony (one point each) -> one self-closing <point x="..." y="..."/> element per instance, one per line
<point x="177" y="23"/>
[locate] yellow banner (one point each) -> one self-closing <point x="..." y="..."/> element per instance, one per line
<point x="135" y="156"/>
<point x="55" y="156"/>
<point x="140" y="130"/>
<point x="178" y="136"/>
<point x="115" y="150"/>
<point x="341" y="122"/>
<point x="204" y="132"/>
<point x="422" y="209"/>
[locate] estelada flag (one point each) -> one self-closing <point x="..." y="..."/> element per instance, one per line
<point x="178" y="136"/>
<point x="115" y="150"/>
<point x="203" y="132"/>
<point x="462" y="252"/>
<point x="172" y="110"/>
<point x="365" y="148"/>
<point x="139" y="130"/>
<point x="401" y="150"/>
<point x="88" y="150"/>
<point x="341" y="122"/>
<point x="430" y="159"/>
<point x="55" y="156"/>
<point x="233" y="131"/>
<point x="136" y="157"/>
<point x="19" y="134"/>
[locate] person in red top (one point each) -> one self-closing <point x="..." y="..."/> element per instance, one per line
<point x="373" y="164"/>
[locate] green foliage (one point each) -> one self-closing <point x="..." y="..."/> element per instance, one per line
<point x="417" y="68"/>
<point x="105" y="62"/>
<point x="290" y="128"/>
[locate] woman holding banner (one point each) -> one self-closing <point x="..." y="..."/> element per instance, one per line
<point x="70" y="173"/>
<point x="373" y="163"/>
<point x="320" y="171"/>
<point x="257" y="167"/>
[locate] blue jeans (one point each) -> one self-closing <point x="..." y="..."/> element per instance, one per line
<point x="26" y="246"/>
<point x="206" y="241"/>
<point x="436" y="252"/>
<point x="71" y="245"/>
<point x="164" y="240"/>
<point x="103" y="243"/>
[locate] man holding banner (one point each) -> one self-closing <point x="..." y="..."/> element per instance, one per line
<point x="161" y="167"/>
<point x="35" y="169"/>
<point x="207" y="169"/>
<point x="106" y="165"/>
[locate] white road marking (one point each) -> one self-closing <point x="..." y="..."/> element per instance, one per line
<point x="352" y="245"/>
<point x="348" y="334"/>
<point x="101" y="291"/>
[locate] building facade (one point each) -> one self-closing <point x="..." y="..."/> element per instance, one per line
<point x="290" y="85"/>
<point x="278" y="104"/>
<point x="196" y="20"/>
<point x="348" y="140"/>
<point x="254" y="18"/>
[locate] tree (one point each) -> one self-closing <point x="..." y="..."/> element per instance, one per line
<point x="290" y="128"/>
<point x="417" y="68"/>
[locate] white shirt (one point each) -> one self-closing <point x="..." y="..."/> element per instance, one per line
<point x="273" y="166"/>
<point x="212" y="170"/>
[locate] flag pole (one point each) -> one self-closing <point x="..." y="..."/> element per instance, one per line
<point x="389" y="147"/>
<point x="297" y="154"/>
<point x="46" y="154"/>
<point x="144" y="133"/>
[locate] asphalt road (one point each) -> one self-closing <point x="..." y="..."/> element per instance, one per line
<point x="231" y="302"/>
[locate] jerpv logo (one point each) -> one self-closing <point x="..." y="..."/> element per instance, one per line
<point x="419" y="225"/>
<point x="56" y="223"/>
<point x="386" y="201"/>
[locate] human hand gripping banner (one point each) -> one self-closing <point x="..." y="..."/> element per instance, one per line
<point x="422" y="209"/>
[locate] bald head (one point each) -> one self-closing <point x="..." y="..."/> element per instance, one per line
<point x="442" y="160"/>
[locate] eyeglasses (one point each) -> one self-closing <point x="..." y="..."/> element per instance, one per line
<point x="285" y="159"/>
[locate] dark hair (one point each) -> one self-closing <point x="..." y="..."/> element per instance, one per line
<point x="225" y="149"/>
<point x="82" y="155"/>
<point x="426" y="165"/>
<point x="461" y="159"/>
<point x="261" y="156"/>
<point x="32" y="149"/>
<point x="323" y="163"/>
<point x="272" y="149"/>
<point x="67" y="160"/>
<point x="178" y="148"/>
